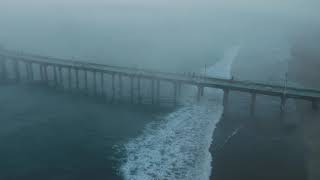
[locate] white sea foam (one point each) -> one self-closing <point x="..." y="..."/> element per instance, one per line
<point x="177" y="146"/>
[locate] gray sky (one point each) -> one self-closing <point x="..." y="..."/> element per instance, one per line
<point x="148" y="31"/>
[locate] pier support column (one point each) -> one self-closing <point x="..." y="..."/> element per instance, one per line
<point x="3" y="65"/>
<point x="152" y="91"/>
<point x="55" y="76"/>
<point x="41" y="70"/>
<point x="27" y="71"/>
<point x="315" y="104"/>
<point x="77" y="78"/>
<point x="86" y="81"/>
<point x="95" y="82"/>
<point x="102" y="84"/>
<point x="45" y="73"/>
<point x="200" y="92"/>
<point x="226" y="99"/>
<point x="16" y="70"/>
<point x="175" y="93"/>
<point x="283" y="106"/>
<point x="179" y="89"/>
<point x="131" y="89"/>
<point x="69" y="78"/>
<point x="120" y="86"/>
<point x="60" y="77"/>
<point x="31" y="72"/>
<point x="113" y="87"/>
<point x="253" y="104"/>
<point x="158" y="92"/>
<point x="139" y="91"/>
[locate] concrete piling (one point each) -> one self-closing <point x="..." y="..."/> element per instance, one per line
<point x="95" y="82"/>
<point x="77" y="78"/>
<point x="16" y="70"/>
<point x="31" y="71"/>
<point x="60" y="76"/>
<point x="158" y="91"/>
<point x="45" y="73"/>
<point x="41" y="72"/>
<point x="69" y="78"/>
<point x="152" y="91"/>
<point x="131" y="90"/>
<point x="27" y="71"/>
<point x="86" y="81"/>
<point x="253" y="104"/>
<point x="55" y="77"/>
<point x="120" y="86"/>
<point x="200" y="93"/>
<point x="3" y="64"/>
<point x="139" y="91"/>
<point x="113" y="87"/>
<point x="283" y="106"/>
<point x="179" y="89"/>
<point x="226" y="99"/>
<point x="175" y="93"/>
<point x="102" y="84"/>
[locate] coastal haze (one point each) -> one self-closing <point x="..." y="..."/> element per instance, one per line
<point x="151" y="33"/>
<point x="252" y="40"/>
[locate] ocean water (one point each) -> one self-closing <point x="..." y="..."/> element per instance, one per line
<point x="47" y="134"/>
<point x="177" y="145"/>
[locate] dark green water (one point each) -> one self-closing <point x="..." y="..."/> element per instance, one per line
<point x="51" y="135"/>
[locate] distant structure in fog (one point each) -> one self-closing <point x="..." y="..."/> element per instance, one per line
<point x="65" y="74"/>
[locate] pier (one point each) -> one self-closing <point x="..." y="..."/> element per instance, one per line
<point x="72" y="75"/>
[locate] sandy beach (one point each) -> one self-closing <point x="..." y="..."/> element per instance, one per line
<point x="264" y="146"/>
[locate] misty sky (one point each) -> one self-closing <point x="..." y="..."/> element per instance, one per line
<point x="150" y="31"/>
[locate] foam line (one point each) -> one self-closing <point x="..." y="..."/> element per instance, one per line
<point x="177" y="146"/>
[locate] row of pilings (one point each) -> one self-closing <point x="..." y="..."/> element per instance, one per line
<point x="113" y="86"/>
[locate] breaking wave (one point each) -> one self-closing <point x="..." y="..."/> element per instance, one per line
<point x="177" y="146"/>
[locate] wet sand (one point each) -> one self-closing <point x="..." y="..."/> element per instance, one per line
<point x="305" y="70"/>
<point x="263" y="148"/>
<point x="260" y="150"/>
